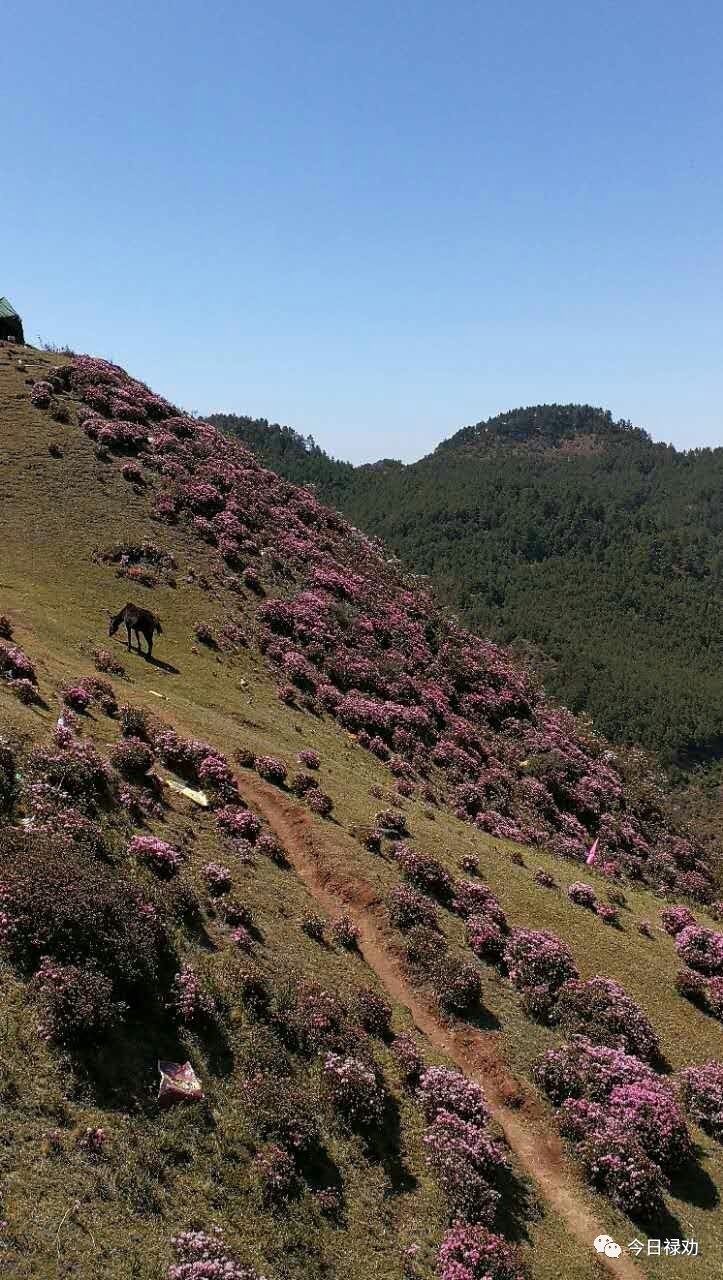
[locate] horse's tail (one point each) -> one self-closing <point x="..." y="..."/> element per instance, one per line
<point x="157" y="626"/>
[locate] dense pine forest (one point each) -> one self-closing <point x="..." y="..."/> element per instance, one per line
<point x="570" y="535"/>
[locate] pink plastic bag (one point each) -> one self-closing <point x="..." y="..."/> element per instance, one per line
<point x="179" y="1083"/>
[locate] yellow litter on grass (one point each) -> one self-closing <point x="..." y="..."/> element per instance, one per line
<point x="198" y="797"/>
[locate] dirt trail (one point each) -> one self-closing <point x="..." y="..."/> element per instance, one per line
<point x="516" y="1108"/>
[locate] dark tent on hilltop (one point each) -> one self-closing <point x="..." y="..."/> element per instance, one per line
<point x="11" y="326"/>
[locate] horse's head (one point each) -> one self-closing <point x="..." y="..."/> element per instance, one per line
<point x="113" y="624"/>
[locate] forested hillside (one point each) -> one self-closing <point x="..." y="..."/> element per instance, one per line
<point x="575" y="536"/>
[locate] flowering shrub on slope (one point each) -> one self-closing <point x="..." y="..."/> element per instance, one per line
<point x="474" y="1253"/>
<point x="353" y="1088"/>
<point x="408" y="682"/>
<point x="702" y="1092"/>
<point x="202" y="1255"/>
<point x="701" y="949"/>
<point x="624" y="1120"/>
<point x="600" y="1009"/>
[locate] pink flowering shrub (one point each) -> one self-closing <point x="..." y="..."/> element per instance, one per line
<point x="272" y="770"/>
<point x="373" y="1012"/>
<point x="442" y="1089"/>
<point x="616" y="1165"/>
<point x="408" y="1058"/>
<point x="474" y="1253"/>
<point x="319" y="802"/>
<point x="189" y="1000"/>
<point x="583" y="895"/>
<point x="457" y="985"/>
<point x="701" y="949"/>
<point x="345" y="932"/>
<point x="218" y="879"/>
<point x="353" y="1089"/>
<point x="301" y="783"/>
<point x="214" y="772"/>
<point x="276" y="1173"/>
<point x="391" y="823"/>
<point x="608" y="914"/>
<point x="161" y="858"/>
<point x="544" y="879"/>
<point x="238" y="823"/>
<point x="106" y="663"/>
<point x="41" y="395"/>
<point x="309" y="759"/>
<point x="93" y="1141"/>
<point x="423" y="871"/>
<point x="77" y="1004"/>
<point x="134" y="722"/>
<point x="539" y="964"/>
<point x="674" y="919"/>
<point x="131" y="757"/>
<point x="464" y="1160"/>
<point x="201" y="1255"/>
<point x="702" y="1093"/>
<point x="15" y="665"/>
<point x="74" y="767"/>
<point x="645" y="928"/>
<point x="407" y="908"/>
<point x="601" y="1010"/>
<point x="485" y="938"/>
<point x="473" y="898"/>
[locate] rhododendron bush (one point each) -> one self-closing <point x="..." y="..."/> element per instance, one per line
<point x="702" y="1092"/>
<point x="623" y="1118"/>
<point x="408" y="682"/>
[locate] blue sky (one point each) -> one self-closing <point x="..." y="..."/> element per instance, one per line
<point x="375" y="221"/>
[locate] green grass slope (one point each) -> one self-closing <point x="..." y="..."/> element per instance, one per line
<point x="68" y="1213"/>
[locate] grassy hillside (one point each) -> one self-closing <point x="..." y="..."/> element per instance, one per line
<point x="558" y="529"/>
<point x="93" y="515"/>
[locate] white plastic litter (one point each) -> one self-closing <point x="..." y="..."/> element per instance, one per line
<point x="198" y="797"/>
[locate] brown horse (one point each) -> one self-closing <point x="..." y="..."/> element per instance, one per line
<point x="141" y="621"/>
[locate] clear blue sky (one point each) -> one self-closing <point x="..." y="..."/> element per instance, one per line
<point x="375" y="221"/>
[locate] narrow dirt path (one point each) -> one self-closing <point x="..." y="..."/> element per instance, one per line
<point x="515" y="1107"/>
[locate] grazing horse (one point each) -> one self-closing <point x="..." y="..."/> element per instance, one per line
<point x="141" y="621"/>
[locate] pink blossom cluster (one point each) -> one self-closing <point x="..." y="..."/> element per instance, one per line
<point x="459" y="1149"/>
<point x="202" y="1255"/>
<point x="583" y="895"/>
<point x="309" y="759"/>
<point x="188" y="998"/>
<point x="702" y="1094"/>
<point x="624" y="1120"/>
<point x="276" y="1172"/>
<point x="408" y="1058"/>
<point x="345" y="932"/>
<point x="162" y="858"/>
<point x="373" y="1012"/>
<point x="271" y="769"/>
<point x="217" y="878"/>
<point x="701" y="949"/>
<point x="77" y="1002"/>
<point x="407" y="908"/>
<point x="539" y="964"/>
<point x="16" y="665"/>
<point x="474" y="1253"/>
<point x="131" y="757"/>
<point x="238" y="823"/>
<point x="675" y="919"/>
<point x="353" y="1088"/>
<point x="600" y="1009"/>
